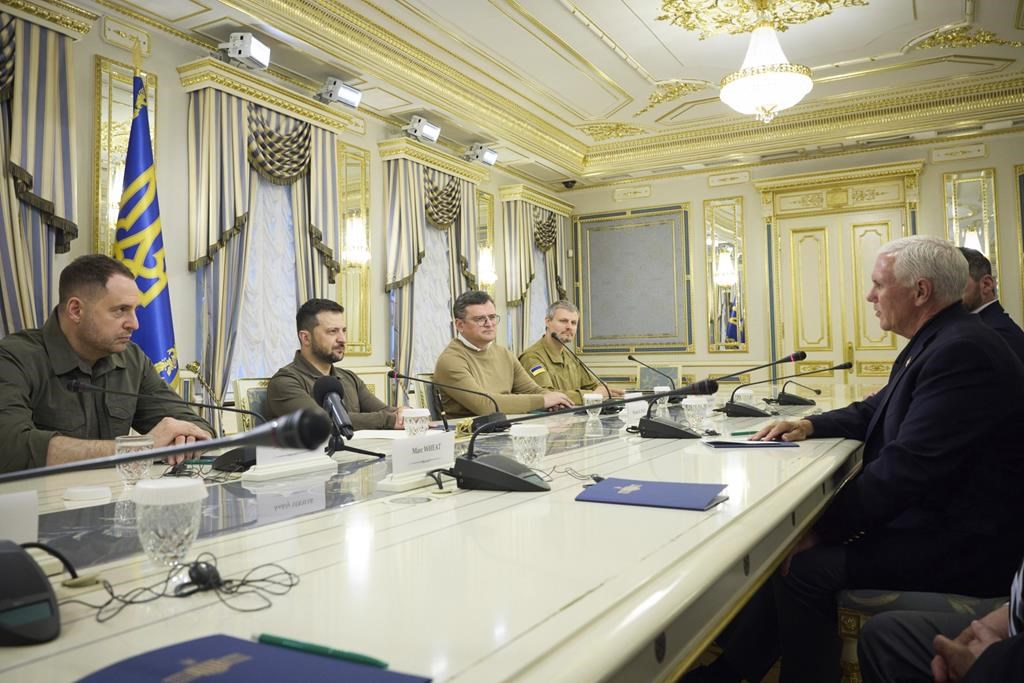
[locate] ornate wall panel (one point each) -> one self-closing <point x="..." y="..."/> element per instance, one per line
<point x="809" y="259"/>
<point x="868" y="239"/>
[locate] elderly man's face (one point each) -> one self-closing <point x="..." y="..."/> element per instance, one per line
<point x="894" y="302"/>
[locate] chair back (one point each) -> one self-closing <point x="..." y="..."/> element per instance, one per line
<point x="251" y="394"/>
<point x="425" y="396"/>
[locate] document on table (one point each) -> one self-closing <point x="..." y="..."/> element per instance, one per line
<point x="725" y="442"/>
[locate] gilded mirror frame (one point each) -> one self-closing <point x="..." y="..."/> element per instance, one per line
<point x="353" y="282"/>
<point x="726" y="275"/>
<point x="113" y="116"/>
<point x="485" y="241"/>
<point x="970" y="209"/>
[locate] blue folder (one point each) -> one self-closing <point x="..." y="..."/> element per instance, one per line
<point x="223" y="658"/>
<point x="660" y="494"/>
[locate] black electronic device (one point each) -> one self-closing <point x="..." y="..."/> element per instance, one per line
<point x="329" y="393"/>
<point x="787" y="399"/>
<point x="611" y="410"/>
<point x="738" y="409"/>
<point x="498" y="418"/>
<point x="28" y="607"/>
<point x="236" y="460"/>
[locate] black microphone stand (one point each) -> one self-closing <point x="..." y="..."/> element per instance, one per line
<point x="612" y="410"/>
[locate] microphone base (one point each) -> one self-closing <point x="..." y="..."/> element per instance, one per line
<point x="611" y="410"/>
<point x="661" y="428"/>
<point x="737" y="409"/>
<point x="499" y="418"/>
<point x="496" y="473"/>
<point x="787" y="399"/>
<point x="236" y="460"/>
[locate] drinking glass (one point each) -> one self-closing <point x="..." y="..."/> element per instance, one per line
<point x="168" y="514"/>
<point x="591" y="399"/>
<point x="416" y="421"/>
<point x="529" y="443"/>
<point x="662" y="407"/>
<point x="635" y="409"/>
<point x="136" y="470"/>
<point x="694" y="409"/>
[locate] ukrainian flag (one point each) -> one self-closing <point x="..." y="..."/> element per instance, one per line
<point x="140" y="243"/>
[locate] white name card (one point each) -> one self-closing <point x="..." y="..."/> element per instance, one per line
<point x="422" y="453"/>
<point x="269" y="455"/>
<point x="19" y="517"/>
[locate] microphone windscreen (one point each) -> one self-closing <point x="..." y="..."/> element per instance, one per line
<point x="799" y="355"/>
<point x="304" y="428"/>
<point x="701" y="388"/>
<point x="74" y="386"/>
<point x="844" y="366"/>
<point x="328" y="384"/>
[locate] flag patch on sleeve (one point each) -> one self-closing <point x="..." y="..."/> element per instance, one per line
<point x="537" y="369"/>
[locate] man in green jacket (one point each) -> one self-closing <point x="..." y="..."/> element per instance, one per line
<point x="322" y="335"/>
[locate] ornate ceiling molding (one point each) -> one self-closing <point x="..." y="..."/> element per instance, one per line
<point x="606" y="131"/>
<point x="351" y="37"/>
<point x="511" y="193"/>
<point x="711" y="17"/>
<point x="847" y="175"/>
<point x="670" y="91"/>
<point x="408" y="148"/>
<point x="963" y="36"/>
<point x="211" y="73"/>
<point x="57" y="14"/>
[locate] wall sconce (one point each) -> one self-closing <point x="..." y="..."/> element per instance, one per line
<point x="245" y="50"/>
<point x="335" y="90"/>
<point x="481" y="153"/>
<point x="421" y="129"/>
<point x="356" y="251"/>
<point x="488" y="274"/>
<point x="725" y="270"/>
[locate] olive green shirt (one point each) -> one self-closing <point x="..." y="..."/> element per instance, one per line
<point x="557" y="371"/>
<point x="493" y="371"/>
<point x="291" y="389"/>
<point x="35" y="366"/>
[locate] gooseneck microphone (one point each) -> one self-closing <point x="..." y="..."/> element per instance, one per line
<point x="79" y="387"/>
<point x="501" y="473"/>
<point x="738" y="409"/>
<point x="305" y="429"/>
<point x="672" y="382"/>
<point x="497" y="417"/>
<point x="785" y="399"/>
<point x="791" y="358"/>
<point x="607" y="391"/>
<point x="328" y="392"/>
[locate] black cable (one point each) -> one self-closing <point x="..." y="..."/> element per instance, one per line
<point x="55" y="553"/>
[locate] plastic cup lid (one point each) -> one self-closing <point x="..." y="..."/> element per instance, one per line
<point x="529" y="430"/>
<point x="415" y="412"/>
<point x="167" y="491"/>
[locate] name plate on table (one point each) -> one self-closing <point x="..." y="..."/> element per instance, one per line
<point x="287" y="498"/>
<point x="19" y="516"/>
<point x="422" y="453"/>
<point x="273" y="463"/>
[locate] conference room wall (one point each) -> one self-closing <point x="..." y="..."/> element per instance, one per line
<point x="1002" y="152"/>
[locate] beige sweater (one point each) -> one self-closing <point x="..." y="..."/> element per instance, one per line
<point x="493" y="371"/>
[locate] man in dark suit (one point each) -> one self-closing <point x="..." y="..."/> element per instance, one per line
<point x="936" y="504"/>
<point x="980" y="297"/>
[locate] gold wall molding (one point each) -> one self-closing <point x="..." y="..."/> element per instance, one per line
<point x="62" y="16"/>
<point x="606" y="131"/>
<point x="211" y="73"/>
<point x="846" y="175"/>
<point x="509" y="193"/>
<point x="963" y="36"/>
<point x="124" y="36"/>
<point x="408" y="148"/>
<point x="743" y="16"/>
<point x="670" y="91"/>
<point x="815" y="366"/>
<point x="873" y="368"/>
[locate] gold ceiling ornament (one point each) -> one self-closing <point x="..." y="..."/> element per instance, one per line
<point x="711" y="17"/>
<point x="963" y="36"/>
<point x="667" y="91"/>
<point x="606" y="131"/>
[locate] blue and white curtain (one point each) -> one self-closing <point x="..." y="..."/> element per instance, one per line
<point x="38" y="156"/>
<point x="440" y="258"/>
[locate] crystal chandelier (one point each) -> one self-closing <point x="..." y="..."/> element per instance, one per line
<point x="766" y="83"/>
<point x="356" y="251"/>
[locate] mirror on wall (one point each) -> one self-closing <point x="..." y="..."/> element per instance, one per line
<point x="113" y="118"/>
<point x="970" y="204"/>
<point x="353" y="283"/>
<point x="726" y="287"/>
<point x="487" y="271"/>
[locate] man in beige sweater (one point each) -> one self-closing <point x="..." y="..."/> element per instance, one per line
<point x="472" y="360"/>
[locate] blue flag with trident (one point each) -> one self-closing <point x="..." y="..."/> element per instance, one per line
<point x="140" y="243"/>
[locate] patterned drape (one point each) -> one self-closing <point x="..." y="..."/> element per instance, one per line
<point x="38" y="189"/>
<point x="231" y="139"/>
<point x="406" y="184"/>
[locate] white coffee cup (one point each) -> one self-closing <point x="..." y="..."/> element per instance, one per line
<point x="416" y="421"/>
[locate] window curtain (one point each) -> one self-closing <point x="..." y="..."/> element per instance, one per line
<point x="421" y="199"/>
<point x="231" y="143"/>
<point x="531" y="231"/>
<point x="39" y="159"/>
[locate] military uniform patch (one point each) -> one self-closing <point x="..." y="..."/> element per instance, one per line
<point x="537" y="369"/>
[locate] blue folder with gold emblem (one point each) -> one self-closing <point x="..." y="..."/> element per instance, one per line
<point x="660" y="494"/>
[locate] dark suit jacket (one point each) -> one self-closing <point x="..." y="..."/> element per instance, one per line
<point x="943" y="461"/>
<point x="998" y="319"/>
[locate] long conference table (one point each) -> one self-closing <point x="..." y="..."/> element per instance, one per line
<point x="461" y="585"/>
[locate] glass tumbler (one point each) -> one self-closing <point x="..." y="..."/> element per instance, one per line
<point x="591" y="399"/>
<point x="136" y="470"/>
<point x="168" y="514"/>
<point x="416" y="421"/>
<point x="529" y="443"/>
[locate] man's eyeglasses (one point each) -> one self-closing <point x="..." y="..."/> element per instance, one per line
<point x="482" y="320"/>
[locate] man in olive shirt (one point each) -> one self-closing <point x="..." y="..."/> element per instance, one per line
<point x="87" y="338"/>
<point x="473" y="361"/>
<point x="551" y="366"/>
<point x="322" y="336"/>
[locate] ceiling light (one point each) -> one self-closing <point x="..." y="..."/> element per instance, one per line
<point x="245" y="50"/>
<point x="481" y="153"/>
<point x="766" y="83"/>
<point x="334" y="90"/>
<point x="421" y="129"/>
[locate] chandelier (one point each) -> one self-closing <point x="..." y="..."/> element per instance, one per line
<point x="766" y="83"/>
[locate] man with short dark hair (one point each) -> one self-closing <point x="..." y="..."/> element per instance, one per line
<point x="980" y="297"/>
<point x="472" y="360"/>
<point x="86" y="338"/>
<point x="551" y="366"/>
<point x="322" y="331"/>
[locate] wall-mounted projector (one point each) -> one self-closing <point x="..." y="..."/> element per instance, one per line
<point x="421" y="129"/>
<point x="482" y="153"/>
<point x="245" y="50"/>
<point x="334" y="90"/>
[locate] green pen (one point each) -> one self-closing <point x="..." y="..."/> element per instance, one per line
<point x="322" y="650"/>
<point x="743" y="433"/>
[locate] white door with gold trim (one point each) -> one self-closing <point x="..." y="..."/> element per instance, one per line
<point x="825" y="273"/>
